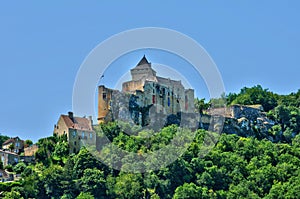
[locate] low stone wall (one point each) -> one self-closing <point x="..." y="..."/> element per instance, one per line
<point x="30" y="151"/>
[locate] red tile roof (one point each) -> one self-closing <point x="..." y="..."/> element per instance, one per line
<point x="11" y="140"/>
<point x="79" y="123"/>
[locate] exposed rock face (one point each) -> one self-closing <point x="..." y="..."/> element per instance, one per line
<point x="245" y="121"/>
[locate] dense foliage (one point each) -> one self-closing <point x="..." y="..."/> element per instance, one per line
<point x="3" y="138"/>
<point x="237" y="167"/>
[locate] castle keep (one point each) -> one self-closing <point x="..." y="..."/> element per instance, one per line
<point x="146" y="93"/>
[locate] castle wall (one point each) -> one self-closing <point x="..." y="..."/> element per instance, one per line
<point x="148" y="91"/>
<point x="132" y="86"/>
<point x="104" y="99"/>
<point x="189" y="101"/>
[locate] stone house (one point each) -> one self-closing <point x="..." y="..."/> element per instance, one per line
<point x="8" y="157"/>
<point x="18" y="145"/>
<point x="79" y="131"/>
<point x="146" y="93"/>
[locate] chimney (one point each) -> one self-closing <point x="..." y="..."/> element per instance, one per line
<point x="71" y="116"/>
<point x="91" y="120"/>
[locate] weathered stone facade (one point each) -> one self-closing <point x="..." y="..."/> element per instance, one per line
<point x="79" y="131"/>
<point x="145" y="95"/>
<point x="8" y="157"/>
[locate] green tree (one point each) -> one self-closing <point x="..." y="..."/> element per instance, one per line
<point x="93" y="182"/>
<point x="46" y="148"/>
<point x="187" y="191"/>
<point x="201" y="106"/>
<point x="129" y="185"/>
<point x="13" y="195"/>
<point x="85" y="196"/>
<point x="256" y="95"/>
<point x="19" y="168"/>
<point x="28" y="143"/>
<point x="61" y="152"/>
<point x="3" y="138"/>
<point x="241" y="190"/>
<point x="51" y="179"/>
<point x="84" y="160"/>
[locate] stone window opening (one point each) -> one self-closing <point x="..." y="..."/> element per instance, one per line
<point x="104" y="96"/>
<point x="153" y="99"/>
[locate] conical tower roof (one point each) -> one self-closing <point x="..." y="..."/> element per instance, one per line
<point x="143" y="61"/>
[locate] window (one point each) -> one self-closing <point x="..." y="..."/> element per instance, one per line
<point x="74" y="133"/>
<point x="186" y="103"/>
<point x="104" y="96"/>
<point x="82" y="134"/>
<point x="75" y="143"/>
<point x="91" y="136"/>
<point x="153" y="99"/>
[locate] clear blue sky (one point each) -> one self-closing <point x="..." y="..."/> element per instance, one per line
<point x="42" y="45"/>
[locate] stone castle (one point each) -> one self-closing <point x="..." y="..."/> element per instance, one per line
<point x="144" y="95"/>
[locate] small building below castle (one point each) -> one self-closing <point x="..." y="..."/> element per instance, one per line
<point x="79" y="131"/>
<point x="8" y="157"/>
<point x="15" y="145"/>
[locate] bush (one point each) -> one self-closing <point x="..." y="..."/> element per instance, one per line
<point x="19" y="168"/>
<point x="7" y="186"/>
<point x="9" y="168"/>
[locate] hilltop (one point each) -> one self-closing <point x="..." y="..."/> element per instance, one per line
<point x="258" y="155"/>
